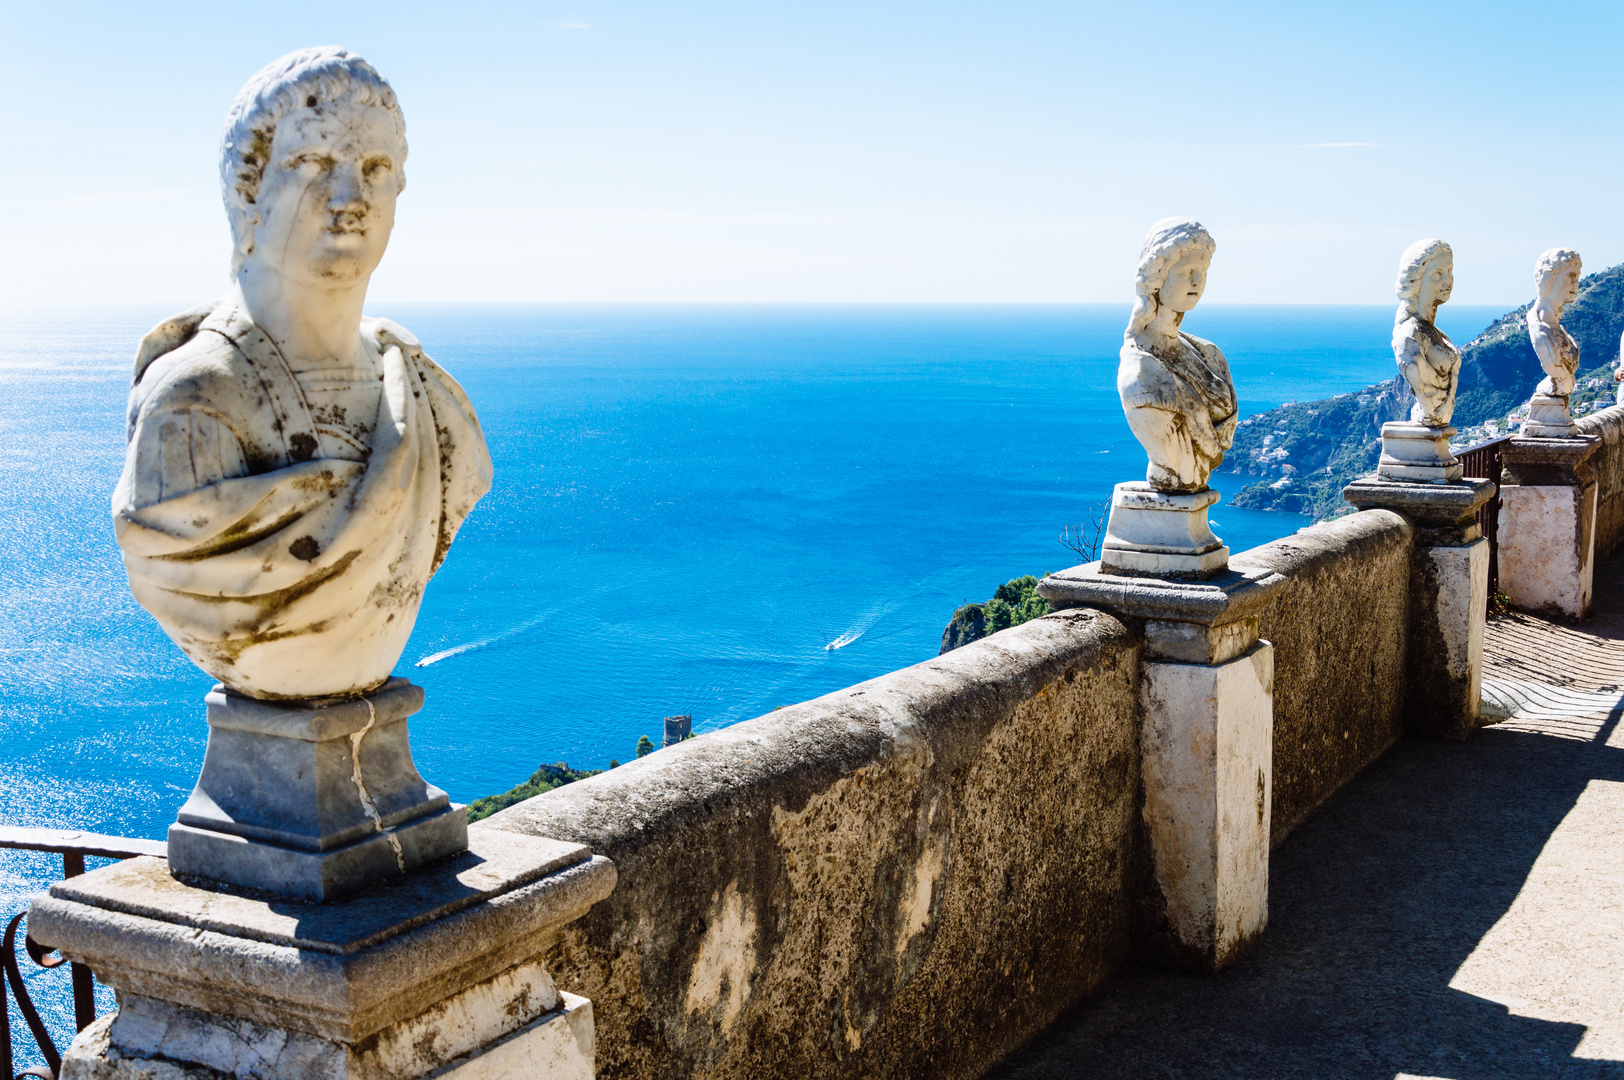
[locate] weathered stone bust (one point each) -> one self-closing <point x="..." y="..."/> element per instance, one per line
<point x="1176" y="389"/>
<point x="1427" y="358"/>
<point x="296" y="472"/>
<point x="1556" y="284"/>
<point x="1556" y="281"/>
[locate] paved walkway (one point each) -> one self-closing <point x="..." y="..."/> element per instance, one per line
<point x="1456" y="912"/>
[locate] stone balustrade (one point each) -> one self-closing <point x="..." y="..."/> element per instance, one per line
<point x="912" y="876"/>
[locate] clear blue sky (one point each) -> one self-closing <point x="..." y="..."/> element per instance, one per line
<point x="842" y="151"/>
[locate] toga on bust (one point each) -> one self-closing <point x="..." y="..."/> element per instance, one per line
<point x="295" y="472"/>
<point x="1175" y="387"/>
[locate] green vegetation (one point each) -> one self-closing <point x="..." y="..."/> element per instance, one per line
<point x="543" y="779"/>
<point x="1303" y="454"/>
<point x="1012" y="603"/>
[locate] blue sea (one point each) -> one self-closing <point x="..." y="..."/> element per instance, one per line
<point x="692" y="505"/>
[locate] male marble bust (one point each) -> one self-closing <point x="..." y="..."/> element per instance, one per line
<point x="1556" y="284"/>
<point x="296" y="472"/>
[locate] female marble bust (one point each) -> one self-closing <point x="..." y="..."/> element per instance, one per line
<point x="1556" y="281"/>
<point x="295" y="472"/>
<point x="1175" y="387"/>
<point x="1427" y="358"/>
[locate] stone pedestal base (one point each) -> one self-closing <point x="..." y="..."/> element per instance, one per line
<point x="1449" y="596"/>
<point x="1418" y="453"/>
<point x="1548" y="524"/>
<point x="1208" y="737"/>
<point x="312" y="801"/>
<point x="1156" y="534"/>
<point x="439" y="973"/>
<point x="1548" y="418"/>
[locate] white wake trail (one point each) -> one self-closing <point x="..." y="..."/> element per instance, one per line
<point x="458" y="650"/>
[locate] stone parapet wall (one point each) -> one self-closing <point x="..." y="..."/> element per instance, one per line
<point x="912" y="876"/>
<point x="907" y="878"/>
<point x="1608" y="465"/>
<point x="1339" y="638"/>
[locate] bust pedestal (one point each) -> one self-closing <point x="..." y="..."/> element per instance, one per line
<point x="1548" y="524"/>
<point x="1161" y="534"/>
<point x="312" y="800"/>
<point x="1417" y="452"/>
<point x="1548" y="418"/>
<point x="1207" y="695"/>
<point x="437" y="973"/>
<point x="1449" y="597"/>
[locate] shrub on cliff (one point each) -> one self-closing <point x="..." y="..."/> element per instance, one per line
<point x="543" y="779"/>
<point x="1014" y="602"/>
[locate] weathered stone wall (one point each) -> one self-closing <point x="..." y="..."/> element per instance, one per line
<point x="1339" y="653"/>
<point x="907" y="878"/>
<point x="1608" y="463"/>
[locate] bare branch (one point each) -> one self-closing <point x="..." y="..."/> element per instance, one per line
<point x="1084" y="540"/>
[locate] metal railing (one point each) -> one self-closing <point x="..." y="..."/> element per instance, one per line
<point x="73" y="847"/>
<point x="1482" y="461"/>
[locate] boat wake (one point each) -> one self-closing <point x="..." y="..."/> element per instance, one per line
<point x="482" y="643"/>
<point x="843" y="640"/>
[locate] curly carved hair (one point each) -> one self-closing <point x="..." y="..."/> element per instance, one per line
<point x="306" y="78"/>
<point x="1553" y="264"/>
<point x="1168" y="241"/>
<point x="1412" y="267"/>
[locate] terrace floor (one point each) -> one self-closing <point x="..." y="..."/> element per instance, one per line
<point x="1455" y="912"/>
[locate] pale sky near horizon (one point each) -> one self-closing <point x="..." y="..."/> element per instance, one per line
<point x="605" y="150"/>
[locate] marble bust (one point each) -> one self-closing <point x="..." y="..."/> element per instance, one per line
<point x="1426" y="357"/>
<point x="1175" y="387"/>
<point x="1180" y="405"/>
<point x="1556" y="280"/>
<point x="295" y="471"/>
<point x="1556" y="283"/>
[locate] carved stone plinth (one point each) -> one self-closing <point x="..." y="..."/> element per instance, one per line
<point x="1417" y="452"/>
<point x="1548" y="524"/>
<point x="312" y="801"/>
<point x="1157" y="534"/>
<point x="1548" y="418"/>
<point x="1208" y="745"/>
<point x="1449" y="594"/>
<point x="437" y="973"/>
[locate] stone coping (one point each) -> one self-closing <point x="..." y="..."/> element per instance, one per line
<point x="493" y="864"/>
<point x="1429" y="503"/>
<point x="1524" y="450"/>
<point x="1232" y="594"/>
<point x="341" y="970"/>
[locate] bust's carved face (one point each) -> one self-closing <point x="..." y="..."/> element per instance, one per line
<point x="326" y="203"/>
<point x="1437" y="282"/>
<point x="1562" y="289"/>
<point x="1186" y="281"/>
